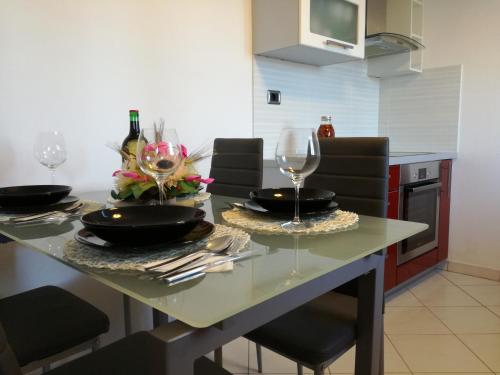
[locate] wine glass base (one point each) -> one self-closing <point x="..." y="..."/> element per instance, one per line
<point x="291" y="226"/>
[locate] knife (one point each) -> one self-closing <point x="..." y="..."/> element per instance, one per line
<point x="177" y="276"/>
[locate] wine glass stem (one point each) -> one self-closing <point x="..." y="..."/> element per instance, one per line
<point x="296" y="218"/>
<point x="52" y="175"/>
<point x="161" y="191"/>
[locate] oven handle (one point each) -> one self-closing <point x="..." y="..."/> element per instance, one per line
<point x="425" y="187"/>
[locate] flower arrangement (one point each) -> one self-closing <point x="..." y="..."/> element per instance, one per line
<point x="132" y="183"/>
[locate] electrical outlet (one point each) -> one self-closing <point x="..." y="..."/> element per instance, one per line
<point x="273" y="97"/>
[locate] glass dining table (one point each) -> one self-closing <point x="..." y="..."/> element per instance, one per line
<point x="285" y="272"/>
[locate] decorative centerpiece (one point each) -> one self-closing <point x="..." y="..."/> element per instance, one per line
<point x="131" y="183"/>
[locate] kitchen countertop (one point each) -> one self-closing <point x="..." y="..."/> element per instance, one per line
<point x="397" y="158"/>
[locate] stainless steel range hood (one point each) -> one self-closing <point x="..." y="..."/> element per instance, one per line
<point x="380" y="40"/>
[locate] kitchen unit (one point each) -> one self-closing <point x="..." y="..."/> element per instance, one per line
<point x="387" y="19"/>
<point x="315" y="32"/>
<point x="418" y="192"/>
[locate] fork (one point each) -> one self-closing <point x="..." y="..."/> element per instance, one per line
<point x="71" y="209"/>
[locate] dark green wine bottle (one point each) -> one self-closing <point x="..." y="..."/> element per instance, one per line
<point x="129" y="144"/>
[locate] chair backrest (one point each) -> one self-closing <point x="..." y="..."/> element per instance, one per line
<point x="357" y="170"/>
<point x="8" y="361"/>
<point x="236" y="166"/>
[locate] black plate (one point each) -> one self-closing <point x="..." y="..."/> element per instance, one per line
<point x="32" y="195"/>
<point x="283" y="199"/>
<point x="255" y="207"/>
<point x="63" y="203"/>
<point x="200" y="231"/>
<point x="143" y="225"/>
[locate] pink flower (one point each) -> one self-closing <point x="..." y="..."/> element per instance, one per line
<point x="184" y="151"/>
<point x="207" y="180"/>
<point x="149" y="147"/>
<point x="192" y="178"/>
<point x="162" y="148"/>
<point x="115" y="173"/>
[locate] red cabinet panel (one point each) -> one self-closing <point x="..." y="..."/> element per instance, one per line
<point x="393" y="205"/>
<point x="391" y="257"/>
<point x="413" y="267"/>
<point x="444" y="210"/>
<point x="393" y="177"/>
<point x="390" y="267"/>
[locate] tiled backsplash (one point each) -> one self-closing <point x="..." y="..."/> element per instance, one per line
<point x="422" y="112"/>
<point x="418" y="112"/>
<point x="307" y="92"/>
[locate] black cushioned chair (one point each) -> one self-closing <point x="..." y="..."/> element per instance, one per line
<point x="46" y="324"/>
<point x="316" y="334"/>
<point x="137" y="354"/>
<point x="236" y="166"/>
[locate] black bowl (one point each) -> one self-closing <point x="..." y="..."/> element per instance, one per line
<point x="142" y="225"/>
<point x="32" y="195"/>
<point x="283" y="199"/>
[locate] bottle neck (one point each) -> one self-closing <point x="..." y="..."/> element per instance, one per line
<point x="134" y="124"/>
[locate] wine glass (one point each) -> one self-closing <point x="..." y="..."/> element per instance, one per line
<point x="159" y="154"/>
<point x="297" y="155"/>
<point x="50" y="151"/>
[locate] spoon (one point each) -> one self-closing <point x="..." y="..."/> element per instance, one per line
<point x="213" y="246"/>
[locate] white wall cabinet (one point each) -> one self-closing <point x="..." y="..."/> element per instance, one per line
<point x="315" y="32"/>
<point x="403" y="17"/>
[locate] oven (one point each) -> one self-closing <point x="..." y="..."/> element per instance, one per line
<point x="419" y="201"/>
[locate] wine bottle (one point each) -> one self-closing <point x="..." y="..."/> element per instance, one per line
<point x="129" y="145"/>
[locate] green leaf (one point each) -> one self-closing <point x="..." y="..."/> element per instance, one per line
<point x="138" y="189"/>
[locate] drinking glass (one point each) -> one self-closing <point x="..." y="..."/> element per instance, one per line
<point x="159" y="155"/>
<point x="50" y="151"/>
<point x="297" y="155"/>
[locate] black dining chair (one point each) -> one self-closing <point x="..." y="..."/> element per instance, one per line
<point x="137" y="354"/>
<point x="316" y="334"/>
<point x="46" y="324"/>
<point x="236" y="166"/>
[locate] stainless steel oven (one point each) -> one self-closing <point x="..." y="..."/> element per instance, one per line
<point x="419" y="201"/>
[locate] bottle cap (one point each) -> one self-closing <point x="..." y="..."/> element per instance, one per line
<point x="326" y="118"/>
<point x="134" y="110"/>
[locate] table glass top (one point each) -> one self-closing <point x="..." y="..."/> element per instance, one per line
<point x="282" y="262"/>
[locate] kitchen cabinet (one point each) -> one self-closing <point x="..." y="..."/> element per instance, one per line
<point x="316" y="32"/>
<point x="417" y="265"/>
<point x="403" y="17"/>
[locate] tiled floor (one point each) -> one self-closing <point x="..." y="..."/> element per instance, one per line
<point x="447" y="323"/>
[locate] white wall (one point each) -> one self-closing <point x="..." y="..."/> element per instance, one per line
<point x="78" y="66"/>
<point x="466" y="32"/>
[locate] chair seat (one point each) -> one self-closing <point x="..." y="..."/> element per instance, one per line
<point x="321" y="330"/>
<point x="137" y="354"/>
<point x="49" y="320"/>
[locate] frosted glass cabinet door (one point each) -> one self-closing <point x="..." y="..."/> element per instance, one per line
<point x="334" y="25"/>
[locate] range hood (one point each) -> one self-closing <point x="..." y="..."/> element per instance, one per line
<point x="380" y="40"/>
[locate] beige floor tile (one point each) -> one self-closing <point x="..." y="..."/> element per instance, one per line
<point x="461" y="279"/>
<point x="451" y="373"/>
<point x="468" y="319"/>
<point x="434" y="279"/>
<point x="235" y="356"/>
<point x="403" y="298"/>
<point x="488" y="295"/>
<point x="436" y="353"/>
<point x="417" y="320"/>
<point x="486" y="347"/>
<point x="495" y="309"/>
<point x="392" y="361"/>
<point x="443" y="295"/>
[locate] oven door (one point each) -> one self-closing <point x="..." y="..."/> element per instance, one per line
<point x="420" y="203"/>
